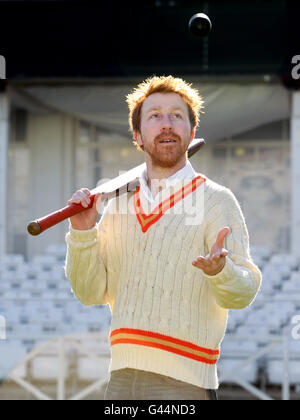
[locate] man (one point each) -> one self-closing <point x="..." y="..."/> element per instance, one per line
<point x="169" y="283"/>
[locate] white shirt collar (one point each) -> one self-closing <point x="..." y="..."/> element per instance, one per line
<point x="187" y="172"/>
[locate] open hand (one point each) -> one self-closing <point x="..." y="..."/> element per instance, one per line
<point x="215" y="262"/>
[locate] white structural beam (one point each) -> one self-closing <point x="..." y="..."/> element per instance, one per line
<point x="295" y="173"/>
<point x="4" y="133"/>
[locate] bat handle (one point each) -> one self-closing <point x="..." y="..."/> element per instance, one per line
<point x="195" y="147"/>
<point x="40" y="225"/>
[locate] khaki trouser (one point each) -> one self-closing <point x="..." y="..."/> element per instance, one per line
<point x="133" y="384"/>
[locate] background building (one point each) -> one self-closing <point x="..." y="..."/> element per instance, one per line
<point x="70" y="66"/>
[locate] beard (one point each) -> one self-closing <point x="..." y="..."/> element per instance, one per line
<point x="165" y="156"/>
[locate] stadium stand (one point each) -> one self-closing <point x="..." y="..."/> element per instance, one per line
<point x="38" y="305"/>
<point x="265" y="321"/>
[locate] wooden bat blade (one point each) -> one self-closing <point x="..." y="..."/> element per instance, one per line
<point x="120" y="181"/>
<point x="131" y="176"/>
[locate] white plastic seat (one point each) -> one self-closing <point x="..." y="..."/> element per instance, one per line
<point x="4" y="285"/>
<point x="262" y="251"/>
<point x="33" y="330"/>
<point x="44" y="259"/>
<point x="57" y="274"/>
<point x="266" y="288"/>
<point x="292" y="261"/>
<point x="19" y="371"/>
<point x="291" y="286"/>
<point x="64" y="285"/>
<point x="271" y="277"/>
<point x="8" y="275"/>
<point x="276" y="372"/>
<point x="46" y="368"/>
<point x="14" y="259"/>
<point x="57" y="250"/>
<point x="247" y="373"/>
<point x="258" y="260"/>
<point x="295" y="276"/>
<point x="24" y="294"/>
<point x="294" y="349"/>
<point x="51" y="328"/>
<point x="89" y="369"/>
<point x="43" y="275"/>
<point x="11" y="352"/>
<point x="28" y="285"/>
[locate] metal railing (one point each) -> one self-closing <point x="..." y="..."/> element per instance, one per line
<point x="63" y="345"/>
<point x="270" y="342"/>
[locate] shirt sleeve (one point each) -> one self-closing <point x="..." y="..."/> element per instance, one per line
<point x="86" y="263"/>
<point x="236" y="286"/>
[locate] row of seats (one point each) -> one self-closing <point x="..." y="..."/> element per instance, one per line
<point x="268" y="318"/>
<point x="272" y="373"/>
<point x="37" y="302"/>
<point x="45" y="365"/>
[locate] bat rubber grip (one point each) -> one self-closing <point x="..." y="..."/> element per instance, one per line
<point x="38" y="226"/>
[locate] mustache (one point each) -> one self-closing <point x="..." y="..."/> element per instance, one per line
<point x="164" y="135"/>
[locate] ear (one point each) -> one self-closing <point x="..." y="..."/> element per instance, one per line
<point x="138" y="138"/>
<point x="192" y="135"/>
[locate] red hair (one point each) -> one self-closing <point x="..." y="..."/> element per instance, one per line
<point x="162" y="84"/>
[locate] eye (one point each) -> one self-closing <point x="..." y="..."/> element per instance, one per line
<point x="177" y="116"/>
<point x="154" y="116"/>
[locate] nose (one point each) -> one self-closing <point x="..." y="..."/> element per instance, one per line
<point x="166" y="122"/>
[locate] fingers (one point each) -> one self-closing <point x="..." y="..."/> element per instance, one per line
<point x="217" y="255"/>
<point x="210" y="258"/>
<point x="221" y="236"/>
<point x="210" y="261"/>
<point x="82" y="197"/>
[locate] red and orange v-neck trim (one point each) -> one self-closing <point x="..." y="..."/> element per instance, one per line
<point x="147" y="220"/>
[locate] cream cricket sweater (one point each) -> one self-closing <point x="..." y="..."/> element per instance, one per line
<point x="168" y="317"/>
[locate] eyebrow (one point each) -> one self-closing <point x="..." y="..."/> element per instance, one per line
<point x="157" y="108"/>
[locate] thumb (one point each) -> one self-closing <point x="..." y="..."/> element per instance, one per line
<point x="221" y="236"/>
<point x="97" y="202"/>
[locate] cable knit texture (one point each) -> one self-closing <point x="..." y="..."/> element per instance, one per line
<point x="168" y="317"/>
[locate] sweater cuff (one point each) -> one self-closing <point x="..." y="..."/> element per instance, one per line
<point x="83" y="235"/>
<point x="226" y="273"/>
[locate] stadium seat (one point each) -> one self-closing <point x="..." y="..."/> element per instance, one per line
<point x="58" y="251"/>
<point x="280" y="267"/>
<point x="271" y="277"/>
<point x="46" y="368"/>
<point x="248" y="373"/>
<point x="11" y="352"/>
<point x="261" y="251"/>
<point x="292" y="261"/>
<point x="276" y="372"/>
<point x="12" y="259"/>
<point x="89" y="369"/>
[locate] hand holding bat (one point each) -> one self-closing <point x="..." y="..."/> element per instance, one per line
<point x="86" y="219"/>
